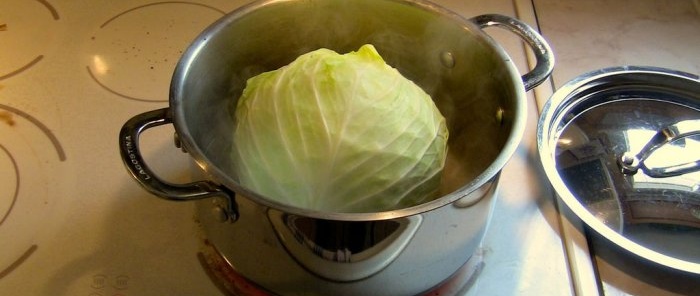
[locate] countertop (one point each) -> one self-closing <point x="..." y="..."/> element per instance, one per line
<point x="72" y="72"/>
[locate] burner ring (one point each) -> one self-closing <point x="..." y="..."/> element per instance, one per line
<point x="4" y="27"/>
<point x="14" y="206"/>
<point x="13" y="200"/>
<point x="18" y="262"/>
<point x="159" y="3"/>
<point x="23" y="68"/>
<point x="43" y="128"/>
<point x="134" y="55"/>
<point x="52" y="10"/>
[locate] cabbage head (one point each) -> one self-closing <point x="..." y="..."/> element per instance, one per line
<point x="339" y="133"/>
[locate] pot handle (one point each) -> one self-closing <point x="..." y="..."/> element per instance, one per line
<point x="131" y="156"/>
<point x="543" y="53"/>
<point x="629" y="162"/>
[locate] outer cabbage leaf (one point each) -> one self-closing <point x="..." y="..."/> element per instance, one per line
<point x="339" y="133"/>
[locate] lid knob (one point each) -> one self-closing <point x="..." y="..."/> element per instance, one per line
<point x="629" y="163"/>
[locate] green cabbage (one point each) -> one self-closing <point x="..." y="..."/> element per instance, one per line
<point x="339" y="133"/>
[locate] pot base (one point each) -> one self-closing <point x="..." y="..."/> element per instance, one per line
<point x="232" y="283"/>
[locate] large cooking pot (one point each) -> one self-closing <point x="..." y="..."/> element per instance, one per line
<point x="289" y="250"/>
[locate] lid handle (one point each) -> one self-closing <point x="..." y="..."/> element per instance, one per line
<point x="630" y="163"/>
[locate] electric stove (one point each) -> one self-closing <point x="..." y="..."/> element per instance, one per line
<point x="73" y="222"/>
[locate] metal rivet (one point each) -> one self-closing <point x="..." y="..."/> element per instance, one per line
<point x="628" y="159"/>
<point x="499" y="115"/>
<point x="447" y="59"/>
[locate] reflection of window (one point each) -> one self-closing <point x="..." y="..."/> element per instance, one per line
<point x="590" y="181"/>
<point x="592" y="185"/>
<point x="675" y="153"/>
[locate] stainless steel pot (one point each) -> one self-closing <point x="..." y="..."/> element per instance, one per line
<point x="294" y="251"/>
<point x="621" y="147"/>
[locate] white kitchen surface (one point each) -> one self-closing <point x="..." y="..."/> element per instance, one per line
<point x="72" y="222"/>
<point x="75" y="223"/>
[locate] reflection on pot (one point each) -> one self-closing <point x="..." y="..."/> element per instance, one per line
<point x="343" y="250"/>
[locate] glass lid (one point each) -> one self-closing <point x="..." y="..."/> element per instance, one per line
<point x="622" y="149"/>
